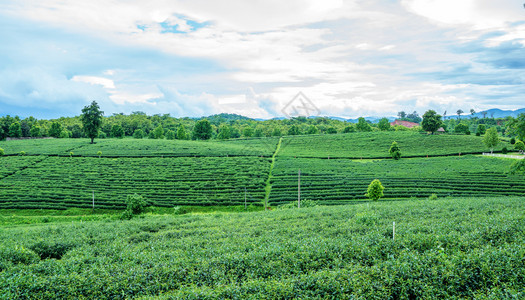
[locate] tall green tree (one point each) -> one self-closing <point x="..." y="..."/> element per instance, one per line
<point x="35" y="131"/>
<point x="383" y="124"/>
<point x="117" y="131"/>
<point x="395" y="151"/>
<point x="431" y="121"/>
<point x="158" y="133"/>
<point x="181" y="133"/>
<point x="362" y="125"/>
<point x="224" y="132"/>
<point x="91" y="120"/>
<point x="375" y="190"/>
<point x="15" y="130"/>
<point x="491" y="139"/>
<point x="55" y="130"/>
<point x="202" y="130"/>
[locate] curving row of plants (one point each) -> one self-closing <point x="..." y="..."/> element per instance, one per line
<point x="339" y="181"/>
<point x="376" y="145"/>
<point x="62" y="182"/>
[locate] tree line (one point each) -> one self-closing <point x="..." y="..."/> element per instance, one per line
<point x="228" y="126"/>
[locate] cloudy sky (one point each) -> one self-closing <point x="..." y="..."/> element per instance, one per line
<point x="251" y="57"/>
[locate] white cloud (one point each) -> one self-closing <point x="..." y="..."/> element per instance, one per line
<point x="105" y="82"/>
<point x="351" y="57"/>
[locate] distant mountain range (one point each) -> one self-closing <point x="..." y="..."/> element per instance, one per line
<point x="491" y="113"/>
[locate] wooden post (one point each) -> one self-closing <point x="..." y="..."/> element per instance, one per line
<point x="299" y="190"/>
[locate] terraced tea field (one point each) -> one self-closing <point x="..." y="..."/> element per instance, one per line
<point x="63" y="182"/>
<point x="446" y="249"/>
<point x="178" y="148"/>
<point x="204" y="173"/>
<point x="340" y="181"/>
<point x="376" y="144"/>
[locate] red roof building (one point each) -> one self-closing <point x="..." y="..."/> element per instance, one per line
<point x="406" y="124"/>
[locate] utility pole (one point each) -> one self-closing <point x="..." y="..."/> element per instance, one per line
<point x="299" y="190"/>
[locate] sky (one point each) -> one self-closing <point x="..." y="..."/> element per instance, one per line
<point x="261" y="59"/>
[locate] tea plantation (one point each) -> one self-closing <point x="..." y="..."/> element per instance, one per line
<point x="64" y="182"/>
<point x="375" y="145"/>
<point x="338" y="181"/>
<point x="454" y="248"/>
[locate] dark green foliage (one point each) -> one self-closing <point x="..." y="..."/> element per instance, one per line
<point x="138" y="134"/>
<point x="35" y="131"/>
<point x="224" y="132"/>
<point x="362" y="125"/>
<point x="384" y="124"/>
<point x="331" y="130"/>
<point x="312" y="130"/>
<point x="294" y="130"/>
<point x="445" y="249"/>
<point x="158" y="133"/>
<point x="181" y="133"/>
<point x="247" y="132"/>
<point x="348" y="129"/>
<point x="202" y="130"/>
<point x="461" y="128"/>
<point x="481" y="129"/>
<point x="135" y="204"/>
<point x="91" y="118"/>
<point x="512" y="141"/>
<point x="171" y="135"/>
<point x="394" y="151"/>
<point x="504" y="150"/>
<point x="1" y="152"/>
<point x="54" y="250"/>
<point x="117" y="131"/>
<point x="55" y="130"/>
<point x="431" y="121"/>
<point x="15" y="130"/>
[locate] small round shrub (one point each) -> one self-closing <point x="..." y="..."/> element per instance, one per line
<point x="504" y="150"/>
<point x="22" y="153"/>
<point x="375" y="190"/>
<point x="513" y="141"/>
<point x="136" y="204"/>
<point x="1" y="152"/>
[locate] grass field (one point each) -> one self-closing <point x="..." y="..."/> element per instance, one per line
<point x="445" y="249"/>
<point x="338" y="181"/>
<point x="376" y="145"/>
